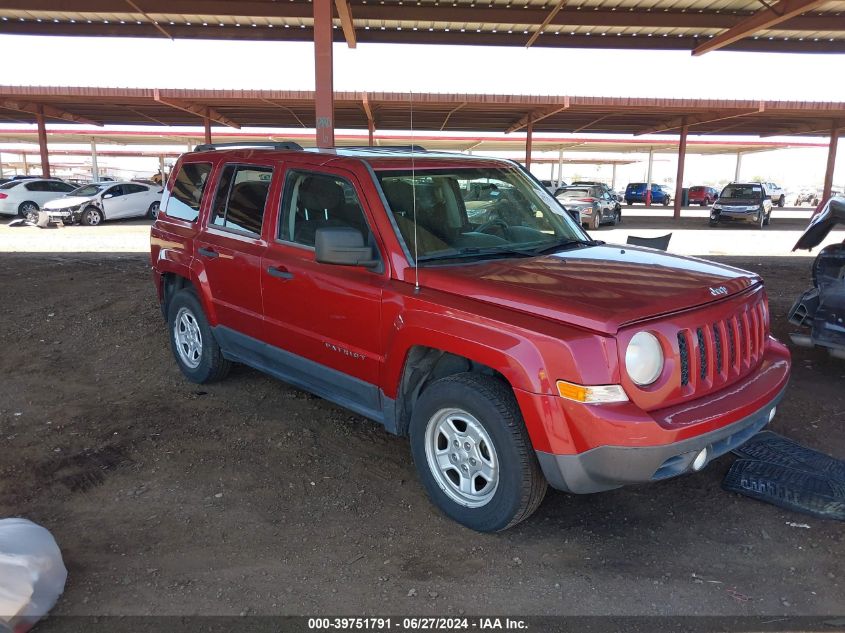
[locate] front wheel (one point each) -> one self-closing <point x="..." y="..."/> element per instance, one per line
<point x="714" y="222"/>
<point x="92" y="216"/>
<point x="194" y="346"/>
<point x="595" y="222"/>
<point x="666" y="201"/>
<point x="761" y="219"/>
<point x="473" y="454"/>
<point x="29" y="211"/>
<point x="617" y="217"/>
<point x="767" y="218"/>
<point x="781" y="201"/>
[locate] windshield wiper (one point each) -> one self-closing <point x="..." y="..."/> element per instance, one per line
<point x="564" y="244"/>
<point x="470" y="252"/>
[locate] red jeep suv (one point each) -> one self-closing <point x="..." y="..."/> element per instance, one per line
<point x="452" y="299"/>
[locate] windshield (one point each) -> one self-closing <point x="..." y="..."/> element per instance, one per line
<point x="10" y="184"/>
<point x="469" y="212"/>
<point x="741" y="192"/>
<point x="581" y="192"/>
<point x="89" y="190"/>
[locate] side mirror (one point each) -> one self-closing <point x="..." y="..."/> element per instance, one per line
<point x="344" y="247"/>
<point x="108" y="195"/>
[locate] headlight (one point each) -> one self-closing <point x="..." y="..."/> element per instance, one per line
<point x="754" y="207"/>
<point x="644" y="358"/>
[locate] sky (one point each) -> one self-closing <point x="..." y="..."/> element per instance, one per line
<point x="162" y="63"/>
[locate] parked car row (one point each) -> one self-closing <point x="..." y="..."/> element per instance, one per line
<point x="90" y="204"/>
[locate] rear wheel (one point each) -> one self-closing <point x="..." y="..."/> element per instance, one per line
<point x="194" y="346"/>
<point x="92" y="216"/>
<point x="152" y="212"/>
<point x="473" y="454"/>
<point x="29" y="211"/>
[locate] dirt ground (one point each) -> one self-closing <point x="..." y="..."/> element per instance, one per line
<point x="251" y="497"/>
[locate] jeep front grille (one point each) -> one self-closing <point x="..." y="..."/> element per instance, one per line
<point x="714" y="356"/>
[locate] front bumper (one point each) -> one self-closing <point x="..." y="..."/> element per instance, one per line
<point x="609" y="467"/>
<point x="64" y="215"/>
<point x="736" y="214"/>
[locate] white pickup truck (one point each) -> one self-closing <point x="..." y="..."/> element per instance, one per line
<point x="777" y="195"/>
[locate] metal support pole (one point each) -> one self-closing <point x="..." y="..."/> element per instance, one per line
<point x="560" y="168"/>
<point x="371" y="130"/>
<point x="831" y="162"/>
<point x="25" y="164"/>
<point x="528" y="138"/>
<point x="42" y="142"/>
<point x="679" y="179"/>
<point x="324" y="89"/>
<point x="613" y="179"/>
<point x="1" y="165"/>
<point x="207" y="124"/>
<point x="738" y="166"/>
<point x="161" y="170"/>
<point x="648" y="177"/>
<point x="95" y="170"/>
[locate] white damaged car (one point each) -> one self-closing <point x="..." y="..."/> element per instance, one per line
<point x="99" y="201"/>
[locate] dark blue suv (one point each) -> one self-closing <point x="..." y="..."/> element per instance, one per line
<point x="635" y="192"/>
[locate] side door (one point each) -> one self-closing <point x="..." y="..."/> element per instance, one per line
<point x="38" y="192"/>
<point x="137" y="199"/>
<point x="324" y="319"/>
<point x="115" y="202"/>
<point x="230" y="248"/>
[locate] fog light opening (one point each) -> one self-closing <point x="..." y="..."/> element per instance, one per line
<point x="700" y="460"/>
<point x="772" y="413"/>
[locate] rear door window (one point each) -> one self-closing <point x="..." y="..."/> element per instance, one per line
<point x="241" y="197"/>
<point x="184" y="199"/>
<point x="39" y="185"/>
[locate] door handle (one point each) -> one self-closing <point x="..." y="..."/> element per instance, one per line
<point x="280" y="272"/>
<point x="208" y="252"/>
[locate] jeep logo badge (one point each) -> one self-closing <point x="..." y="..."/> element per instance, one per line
<point x="721" y="290"/>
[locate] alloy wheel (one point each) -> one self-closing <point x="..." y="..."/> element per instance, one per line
<point x="461" y="457"/>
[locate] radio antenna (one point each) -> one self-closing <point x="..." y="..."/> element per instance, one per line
<point x="414" y="197"/>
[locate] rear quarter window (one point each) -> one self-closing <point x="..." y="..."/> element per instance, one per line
<point x="184" y="199"/>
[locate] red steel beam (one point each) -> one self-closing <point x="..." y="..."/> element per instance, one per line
<point x="344" y="12"/>
<point x="194" y="108"/>
<point x="207" y="127"/>
<point x="529" y="133"/>
<point x="537" y="115"/>
<point x="764" y="19"/>
<point x="709" y="117"/>
<point x="539" y="30"/>
<point x="324" y="80"/>
<point x="679" y="179"/>
<point x="45" y="110"/>
<point x="831" y="161"/>
<point x="42" y="142"/>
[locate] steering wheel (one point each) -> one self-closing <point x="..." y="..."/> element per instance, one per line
<point x="497" y="222"/>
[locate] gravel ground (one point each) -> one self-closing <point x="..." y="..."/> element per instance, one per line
<point x="251" y="497"/>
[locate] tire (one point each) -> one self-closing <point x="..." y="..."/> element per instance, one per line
<point x="193" y="344"/>
<point x="767" y="219"/>
<point x="152" y="212"/>
<point x="92" y="216"/>
<point x="595" y="221"/>
<point x="629" y="203"/>
<point x="617" y="217"/>
<point x="29" y="210"/>
<point x="471" y="402"/>
<point x="714" y="222"/>
<point x="781" y="201"/>
<point x="761" y="220"/>
<point x="666" y="201"/>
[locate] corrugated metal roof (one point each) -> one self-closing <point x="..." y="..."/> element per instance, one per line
<point x="650" y="24"/>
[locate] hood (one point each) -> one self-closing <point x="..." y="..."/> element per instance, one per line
<point x="831" y="214"/>
<point x="599" y="288"/>
<point x="64" y="203"/>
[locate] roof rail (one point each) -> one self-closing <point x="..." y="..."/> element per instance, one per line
<point x="384" y="148"/>
<point x="268" y="144"/>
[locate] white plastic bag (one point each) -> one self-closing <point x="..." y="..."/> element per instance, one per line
<point x="32" y="574"/>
